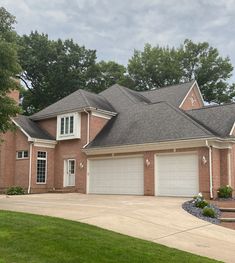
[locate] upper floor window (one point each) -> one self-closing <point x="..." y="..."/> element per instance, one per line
<point x="68" y="126"/>
<point x="22" y="154"/>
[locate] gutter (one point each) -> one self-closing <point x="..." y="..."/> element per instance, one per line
<point x="210" y="169"/>
<point x="88" y="128"/>
<point x="30" y="166"/>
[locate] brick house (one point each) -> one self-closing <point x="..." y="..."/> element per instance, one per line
<point x="163" y="142"/>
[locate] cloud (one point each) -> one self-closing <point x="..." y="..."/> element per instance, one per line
<point x="116" y="28"/>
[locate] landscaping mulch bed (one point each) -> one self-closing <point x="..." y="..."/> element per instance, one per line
<point x="196" y="211"/>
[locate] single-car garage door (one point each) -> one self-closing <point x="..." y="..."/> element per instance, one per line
<point x="176" y="175"/>
<point x="116" y="176"/>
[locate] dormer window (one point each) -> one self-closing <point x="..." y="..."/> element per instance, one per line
<point x="68" y="126"/>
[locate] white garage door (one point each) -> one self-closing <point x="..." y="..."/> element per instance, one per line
<point x="176" y="175"/>
<point x="116" y="176"/>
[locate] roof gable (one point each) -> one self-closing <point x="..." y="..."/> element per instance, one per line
<point x="174" y="94"/>
<point x="217" y="118"/>
<point x="122" y="98"/>
<point x="75" y="101"/>
<point x="31" y="129"/>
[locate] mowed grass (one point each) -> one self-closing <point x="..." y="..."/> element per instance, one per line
<point x="30" y="238"/>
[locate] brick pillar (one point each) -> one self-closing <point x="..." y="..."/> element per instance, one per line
<point x="149" y="173"/>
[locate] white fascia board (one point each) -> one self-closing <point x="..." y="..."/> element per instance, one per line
<point x="199" y="92"/>
<point x="193" y="143"/>
<point x="148" y="146"/>
<point x="54" y="115"/>
<point x="100" y="115"/>
<point x="232" y="130"/>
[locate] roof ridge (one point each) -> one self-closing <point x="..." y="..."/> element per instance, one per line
<point x="196" y="123"/>
<point x="84" y="97"/>
<point x="126" y="93"/>
<point x="213" y="106"/>
<point x="168" y="86"/>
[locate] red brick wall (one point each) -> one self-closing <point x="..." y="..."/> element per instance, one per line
<point x="7" y="159"/>
<point x="71" y="149"/>
<point x="187" y="105"/>
<point x="49" y="125"/>
<point x="15" y="95"/>
<point x="224" y="167"/>
<point x="21" y="177"/>
<point x="232" y="158"/>
<point x="216" y="170"/>
<point x="96" y="125"/>
<point x="204" y="178"/>
<point x="149" y="181"/>
<point x="49" y="185"/>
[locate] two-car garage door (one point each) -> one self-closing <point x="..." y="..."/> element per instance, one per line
<point x="116" y="176"/>
<point x="175" y="175"/>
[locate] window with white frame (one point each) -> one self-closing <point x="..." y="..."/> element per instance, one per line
<point x="22" y="155"/>
<point x="68" y="126"/>
<point x="41" y="167"/>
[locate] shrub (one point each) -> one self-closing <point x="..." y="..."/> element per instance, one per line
<point x="208" y="211"/>
<point x="225" y="191"/>
<point x="199" y="201"/>
<point x="15" y="190"/>
<point x="201" y="204"/>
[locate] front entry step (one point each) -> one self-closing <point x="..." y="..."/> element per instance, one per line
<point x="227" y="209"/>
<point x="63" y="190"/>
<point x="224" y="219"/>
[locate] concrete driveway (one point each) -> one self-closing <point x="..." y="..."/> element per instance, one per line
<point x="161" y="220"/>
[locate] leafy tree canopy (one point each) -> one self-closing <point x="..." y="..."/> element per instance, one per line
<point x="9" y="68"/>
<point x="155" y="67"/>
<point x="52" y="69"/>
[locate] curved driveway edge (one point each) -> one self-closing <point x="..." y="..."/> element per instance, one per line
<point x="157" y="219"/>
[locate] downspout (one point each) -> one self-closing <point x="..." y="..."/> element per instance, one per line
<point x="210" y="169"/>
<point x="30" y="167"/>
<point x="88" y="128"/>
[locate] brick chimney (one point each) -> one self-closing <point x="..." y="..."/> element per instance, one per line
<point x="15" y="95"/>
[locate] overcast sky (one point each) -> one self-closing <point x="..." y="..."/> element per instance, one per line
<point x="116" y="27"/>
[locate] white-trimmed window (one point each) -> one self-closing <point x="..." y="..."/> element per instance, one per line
<point x="68" y="126"/>
<point x="22" y="155"/>
<point x="41" y="167"/>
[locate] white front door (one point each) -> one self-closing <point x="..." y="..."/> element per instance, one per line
<point x="69" y="172"/>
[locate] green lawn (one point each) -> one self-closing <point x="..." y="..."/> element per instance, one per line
<point x="29" y="238"/>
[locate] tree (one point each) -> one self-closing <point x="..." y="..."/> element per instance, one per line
<point x="9" y="68"/>
<point x="154" y="67"/>
<point x="110" y="73"/>
<point x="159" y="66"/>
<point x="52" y="69"/>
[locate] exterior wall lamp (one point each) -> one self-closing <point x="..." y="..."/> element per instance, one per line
<point x="204" y="160"/>
<point x="81" y="165"/>
<point x="147" y="162"/>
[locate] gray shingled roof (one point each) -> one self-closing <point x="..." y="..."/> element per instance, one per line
<point x="148" y="124"/>
<point x="31" y="128"/>
<point x="76" y="101"/>
<point x="171" y="94"/>
<point x="122" y="98"/>
<point x="217" y="118"/>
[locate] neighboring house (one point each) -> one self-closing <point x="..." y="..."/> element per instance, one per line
<point x="162" y="142"/>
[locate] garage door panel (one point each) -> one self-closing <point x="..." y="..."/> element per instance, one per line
<point x="116" y="176"/>
<point x="176" y="175"/>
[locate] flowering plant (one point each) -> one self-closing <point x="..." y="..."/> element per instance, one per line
<point x="199" y="201"/>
